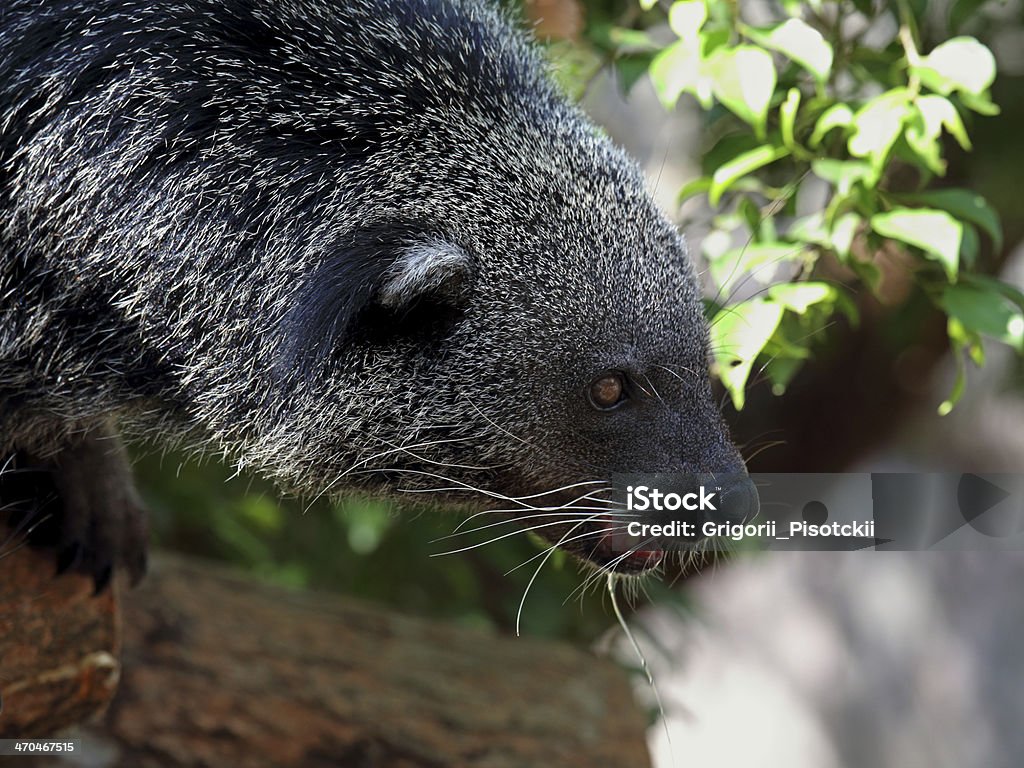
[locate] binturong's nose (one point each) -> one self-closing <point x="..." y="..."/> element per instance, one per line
<point x="723" y="468"/>
<point x="739" y="502"/>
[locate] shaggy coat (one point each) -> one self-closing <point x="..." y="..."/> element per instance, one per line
<point x="347" y="243"/>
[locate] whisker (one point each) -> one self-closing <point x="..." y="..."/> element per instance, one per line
<point x="761" y="449"/>
<point x="673" y="373"/>
<point x="589" y="534"/>
<point x="460" y="485"/>
<point x="573" y="515"/>
<point x="380" y="455"/>
<point x="533" y="578"/>
<point x="643" y="660"/>
<point x="539" y="448"/>
<point x="609" y="567"/>
<point x="511" y="533"/>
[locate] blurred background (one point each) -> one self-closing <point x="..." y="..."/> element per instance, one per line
<point x="783" y="659"/>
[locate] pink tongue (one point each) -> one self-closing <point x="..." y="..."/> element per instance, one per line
<point x="640" y="559"/>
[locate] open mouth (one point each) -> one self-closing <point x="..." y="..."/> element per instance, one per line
<point x="594" y="536"/>
<point x="603" y="549"/>
<point x="629" y="529"/>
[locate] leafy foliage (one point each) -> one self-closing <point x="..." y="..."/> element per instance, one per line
<point x="833" y="102"/>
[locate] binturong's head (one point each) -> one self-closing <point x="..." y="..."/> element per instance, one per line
<point x="502" y="315"/>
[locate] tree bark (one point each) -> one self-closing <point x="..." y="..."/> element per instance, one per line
<point x="59" y="645"/>
<point x="220" y="670"/>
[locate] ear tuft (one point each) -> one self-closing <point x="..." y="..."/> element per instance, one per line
<point x="383" y="274"/>
<point x="432" y="268"/>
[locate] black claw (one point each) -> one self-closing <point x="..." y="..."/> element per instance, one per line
<point x="83" y="500"/>
<point x="101" y="579"/>
<point x="68" y="557"/>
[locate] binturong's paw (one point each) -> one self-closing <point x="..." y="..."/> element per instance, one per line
<point x="81" y="501"/>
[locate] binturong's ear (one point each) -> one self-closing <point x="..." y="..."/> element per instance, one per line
<point x="433" y="269"/>
<point x="383" y="283"/>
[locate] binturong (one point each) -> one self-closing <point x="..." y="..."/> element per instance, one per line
<point x="351" y="244"/>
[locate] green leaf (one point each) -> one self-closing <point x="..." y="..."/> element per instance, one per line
<point x="935" y="232"/>
<point x="787" y="117"/>
<point x="843" y="174"/>
<point x="781" y="371"/>
<point x="925" y="143"/>
<point x="752" y="217"/>
<point x="686" y="17"/>
<point x="729" y="266"/>
<point x="988" y="283"/>
<point x="844" y="229"/>
<point x="626" y="39"/>
<point x="730" y="145"/>
<point x="810" y="229"/>
<point x="675" y="71"/>
<point x="980" y="104"/>
<point x="799" y="296"/>
<point x="630" y="68"/>
<point x="800" y="42"/>
<point x="986" y="312"/>
<point x="838" y="237"/>
<point x="928" y="116"/>
<point x="694" y="187"/>
<point x="712" y="39"/>
<point x="969" y="245"/>
<point x="836" y="116"/>
<point x="781" y="345"/>
<point x="961" y="64"/>
<point x="740" y="166"/>
<point x="957" y="339"/>
<point x="738" y="334"/>
<point x="963" y="204"/>
<point x="648" y="4"/>
<point x="877" y="125"/>
<point x="743" y="79"/>
<point x="939" y="111"/>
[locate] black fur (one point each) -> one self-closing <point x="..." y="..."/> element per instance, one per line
<point x="347" y="242"/>
<point x="344" y="296"/>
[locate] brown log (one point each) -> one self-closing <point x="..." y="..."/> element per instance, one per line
<point x="220" y="670"/>
<point x="58" y="645"/>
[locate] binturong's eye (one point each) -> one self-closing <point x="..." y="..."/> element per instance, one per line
<point x="608" y="390"/>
